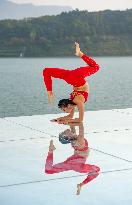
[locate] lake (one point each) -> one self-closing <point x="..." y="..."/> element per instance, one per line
<point x="23" y="93"/>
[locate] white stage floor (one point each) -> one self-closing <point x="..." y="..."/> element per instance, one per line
<point x="24" y="145"/>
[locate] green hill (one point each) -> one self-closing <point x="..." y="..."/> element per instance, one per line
<point x="100" y="33"/>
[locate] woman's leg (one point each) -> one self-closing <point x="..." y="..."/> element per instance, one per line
<point x="87" y="180"/>
<point x="92" y="65"/>
<point x="51" y="168"/>
<point x="91" y="175"/>
<point x="48" y="73"/>
<point x="77" y="76"/>
<point x="86" y="71"/>
<point x="74" y="77"/>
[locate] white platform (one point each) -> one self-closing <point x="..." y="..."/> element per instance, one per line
<point x="23" y="149"/>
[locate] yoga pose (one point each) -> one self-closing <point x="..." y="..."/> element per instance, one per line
<point x="76" y="78"/>
<point x="76" y="162"/>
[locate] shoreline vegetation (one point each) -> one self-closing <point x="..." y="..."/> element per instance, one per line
<point x="103" y="33"/>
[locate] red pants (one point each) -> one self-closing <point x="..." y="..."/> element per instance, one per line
<point x="74" y="77"/>
<point x="75" y="163"/>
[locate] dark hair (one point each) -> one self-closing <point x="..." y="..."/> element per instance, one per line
<point x="65" y="103"/>
<point x="64" y="139"/>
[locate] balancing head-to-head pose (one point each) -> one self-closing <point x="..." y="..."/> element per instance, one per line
<point x="76" y="78"/>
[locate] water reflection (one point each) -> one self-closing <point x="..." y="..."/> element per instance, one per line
<point x="76" y="162"/>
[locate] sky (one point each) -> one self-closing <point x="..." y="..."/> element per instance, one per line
<point x="90" y="5"/>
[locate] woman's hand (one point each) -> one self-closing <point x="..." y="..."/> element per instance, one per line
<point x="50" y="97"/>
<point x="61" y="120"/>
<point x="64" y="121"/>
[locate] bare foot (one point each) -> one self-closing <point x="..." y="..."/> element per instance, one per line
<point x="78" y="189"/>
<point x="51" y="146"/>
<point x="77" y="49"/>
<point x="51" y="97"/>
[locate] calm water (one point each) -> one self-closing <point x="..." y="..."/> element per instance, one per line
<point x="22" y="91"/>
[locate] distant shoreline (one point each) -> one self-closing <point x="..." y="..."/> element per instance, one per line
<point x="103" y="33"/>
<point x="29" y="57"/>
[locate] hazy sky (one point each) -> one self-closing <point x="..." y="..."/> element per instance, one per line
<point x="91" y="5"/>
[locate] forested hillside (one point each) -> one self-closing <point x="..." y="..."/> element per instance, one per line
<point x="100" y="33"/>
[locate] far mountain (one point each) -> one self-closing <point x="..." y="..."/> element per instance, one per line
<point x="10" y="10"/>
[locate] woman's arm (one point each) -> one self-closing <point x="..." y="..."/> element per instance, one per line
<point x="81" y="114"/>
<point x="79" y="101"/>
<point x="80" y="138"/>
<point x="65" y="118"/>
<point x="71" y="113"/>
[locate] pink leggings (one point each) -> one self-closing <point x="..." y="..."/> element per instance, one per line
<point x="74" y="77"/>
<point x="75" y="163"/>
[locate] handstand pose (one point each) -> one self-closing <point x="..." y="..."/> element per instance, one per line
<point x="76" y="78"/>
<point x="76" y="162"/>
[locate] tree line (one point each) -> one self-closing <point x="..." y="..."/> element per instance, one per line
<point x="100" y="33"/>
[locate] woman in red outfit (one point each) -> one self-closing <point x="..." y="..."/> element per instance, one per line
<point x="77" y="161"/>
<point x="76" y="78"/>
